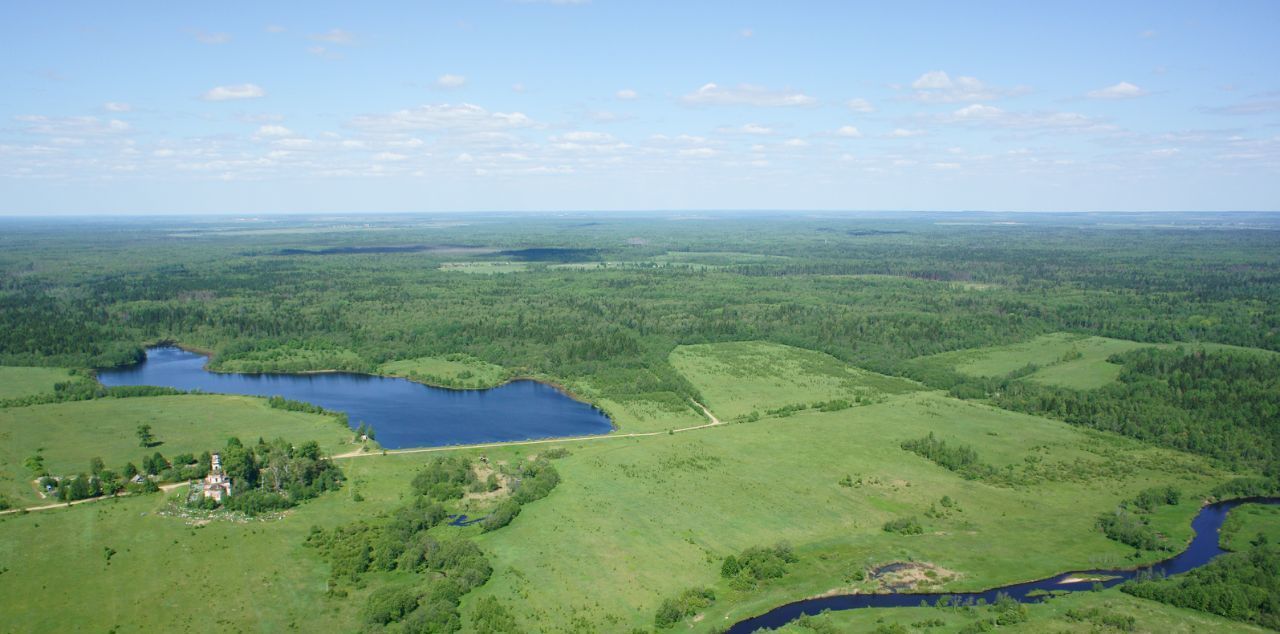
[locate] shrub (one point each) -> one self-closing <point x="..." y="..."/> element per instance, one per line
<point x="388" y="605"/>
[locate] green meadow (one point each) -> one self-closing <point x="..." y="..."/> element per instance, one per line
<point x="172" y="573"/>
<point x="1247" y="522"/>
<point x="737" y="379"/>
<point x="1062" y="359"/>
<point x="68" y="435"/>
<point x="634" y="520"/>
<point x="639" y="520"/>
<point x="16" y="381"/>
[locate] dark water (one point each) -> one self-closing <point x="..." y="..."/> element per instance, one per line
<point x="402" y="413"/>
<point x="1203" y="548"/>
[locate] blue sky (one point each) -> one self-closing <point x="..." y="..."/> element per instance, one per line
<point x="505" y="105"/>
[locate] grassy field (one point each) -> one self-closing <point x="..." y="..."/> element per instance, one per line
<point x="1050" y="616"/>
<point x="1064" y="359"/>
<point x="740" y="378"/>
<point x="454" y="370"/>
<point x="20" y="381"/>
<point x="170" y="573"/>
<point x="70" y="434"/>
<point x="635" y="521"/>
<point x="1246" y="522"/>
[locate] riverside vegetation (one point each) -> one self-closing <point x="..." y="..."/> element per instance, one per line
<point x="985" y="403"/>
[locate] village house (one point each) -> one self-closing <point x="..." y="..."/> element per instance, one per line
<point x="217" y="485"/>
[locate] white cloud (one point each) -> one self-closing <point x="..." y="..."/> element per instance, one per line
<point x="626" y="94"/>
<point x="980" y="114"/>
<point x="334" y="36"/>
<point x="937" y="86"/>
<point x="849" y="131"/>
<point x="518" y="87"/>
<point x="116" y="106"/>
<point x="747" y="95"/>
<point x="390" y="156"/>
<point x="1122" y="90"/>
<point x="238" y="91"/>
<point x="274" y="130"/>
<point x="584" y="136"/>
<point x="860" y="105"/>
<point x="275" y="28"/>
<point x="978" y="111"/>
<point x="450" y="81"/>
<point x="701" y="152"/>
<point x="756" y="128"/>
<point x="904" y="133"/>
<point x="796" y="143"/>
<point x="211" y="38"/>
<point x="1260" y="106"/>
<point x="459" y="119"/>
<point x="72" y="127"/>
<point x="747" y="33"/>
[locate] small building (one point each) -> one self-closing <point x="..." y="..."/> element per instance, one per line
<point x="217" y="485"/>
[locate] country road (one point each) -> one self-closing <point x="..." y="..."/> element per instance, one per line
<point x="59" y="505"/>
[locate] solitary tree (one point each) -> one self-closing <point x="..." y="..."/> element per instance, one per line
<point x="145" y="437"/>
<point x="96" y="465"/>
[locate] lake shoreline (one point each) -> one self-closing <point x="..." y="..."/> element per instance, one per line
<point x="209" y="354"/>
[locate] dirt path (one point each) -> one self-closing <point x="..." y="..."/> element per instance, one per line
<point x="358" y="454"/>
<point x="61" y="505"/>
<point x="712" y="417"/>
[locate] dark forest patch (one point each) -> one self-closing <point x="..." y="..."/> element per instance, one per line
<point x="408" y="248"/>
<point x="553" y="254"/>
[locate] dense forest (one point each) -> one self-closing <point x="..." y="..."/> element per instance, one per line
<point x="599" y="306"/>
<point x="1221" y="404"/>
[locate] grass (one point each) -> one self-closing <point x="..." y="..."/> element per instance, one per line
<point x="453" y="370"/>
<point x="484" y="267"/>
<point x="72" y="433"/>
<point x="635" y="521"/>
<point x="740" y="378"/>
<point x="170" y="574"/>
<point x="1064" y="359"/>
<point x="18" y="381"/>
<point x="1050" y="616"/>
<point x="1246" y="522"/>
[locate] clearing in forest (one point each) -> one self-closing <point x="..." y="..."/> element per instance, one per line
<point x="1061" y="359"/>
<point x="68" y="435"/>
<point x="739" y="379"/>
<point x="17" y="381"/>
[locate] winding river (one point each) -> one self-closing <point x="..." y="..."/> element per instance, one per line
<point x="1203" y="548"/>
<point x="403" y="413"/>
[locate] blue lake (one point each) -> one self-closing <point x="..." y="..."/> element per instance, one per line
<point x="402" y="413"/>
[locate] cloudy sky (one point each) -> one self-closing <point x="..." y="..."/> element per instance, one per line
<point x="609" y="105"/>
